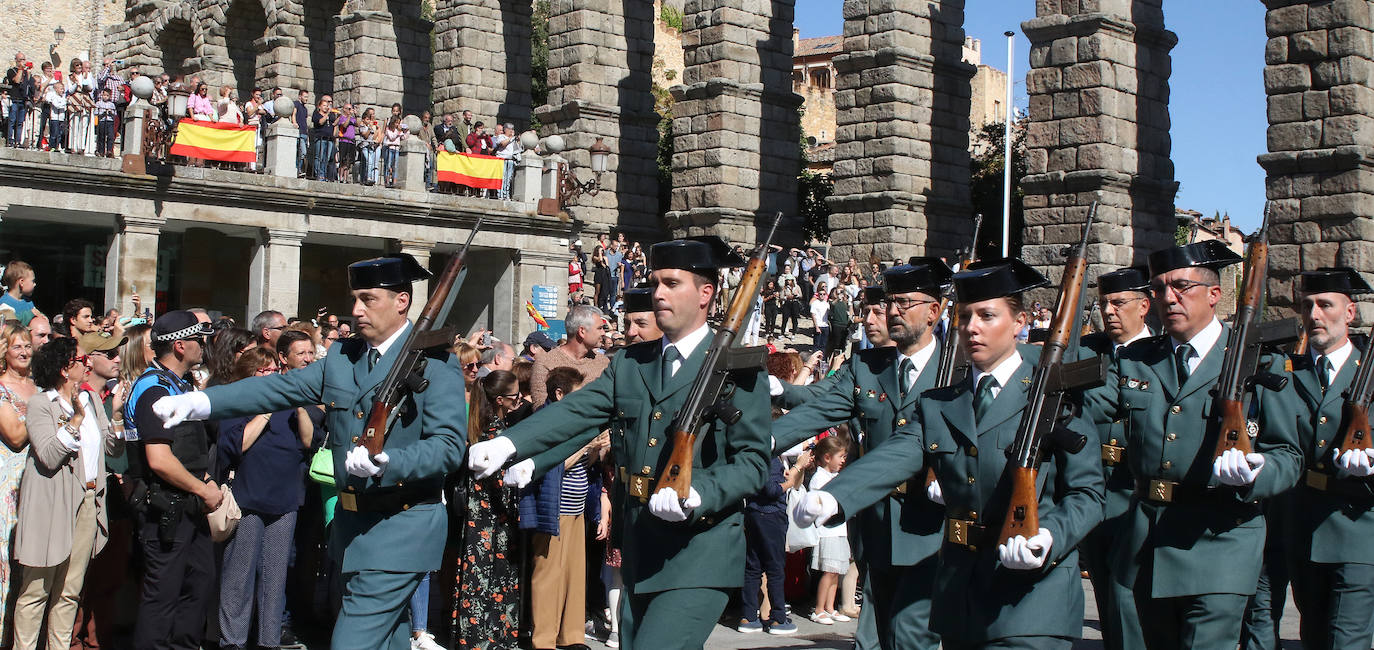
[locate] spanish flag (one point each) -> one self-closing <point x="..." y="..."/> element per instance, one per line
<point x="215" y="141"/>
<point x="534" y="313"/>
<point x="470" y="169"/>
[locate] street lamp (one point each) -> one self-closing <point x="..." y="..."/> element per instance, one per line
<point x="57" y="36"/>
<point x="569" y="187"/>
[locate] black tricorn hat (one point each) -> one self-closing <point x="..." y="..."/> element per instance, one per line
<point x="996" y="278"/>
<point x="927" y="275"/>
<point x="638" y="299"/>
<point x="705" y="254"/>
<point x="874" y="295"/>
<point x="1131" y="278"/>
<point x="1338" y="279"/>
<point x="386" y="272"/>
<point x="1211" y="254"/>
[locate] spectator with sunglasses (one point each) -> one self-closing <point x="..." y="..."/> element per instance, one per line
<point x="268" y="326"/>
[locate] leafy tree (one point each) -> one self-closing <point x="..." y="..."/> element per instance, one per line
<point x="987" y="167"/>
<point x="812" y="188"/>
<point x="539" y="56"/>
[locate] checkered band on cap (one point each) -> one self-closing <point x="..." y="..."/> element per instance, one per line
<point x="187" y="332"/>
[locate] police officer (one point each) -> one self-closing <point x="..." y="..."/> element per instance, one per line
<point x="390" y="526"/>
<point x="1124" y="302"/>
<point x="681" y="553"/>
<point x="1331" y="519"/>
<point x="173" y="491"/>
<point x="1189" y="546"/>
<point x="896" y="539"/>
<point x="988" y="592"/>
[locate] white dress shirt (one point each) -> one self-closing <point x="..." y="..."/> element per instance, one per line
<point x="90" y="446"/>
<point x="918" y="362"/>
<point x="1003" y="373"/>
<point x="1202" y="343"/>
<point x="686" y="345"/>
<point x="1144" y="333"/>
<point x="1337" y="357"/>
<point x="390" y="340"/>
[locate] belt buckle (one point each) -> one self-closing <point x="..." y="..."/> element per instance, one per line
<point x="1112" y="454"/>
<point x="1316" y="480"/>
<point x="348" y="500"/>
<point x="1162" y="491"/>
<point x="639" y="487"/>
<point x="956" y="531"/>
<point x="900" y="490"/>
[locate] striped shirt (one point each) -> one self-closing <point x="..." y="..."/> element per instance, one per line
<point x="573" y="500"/>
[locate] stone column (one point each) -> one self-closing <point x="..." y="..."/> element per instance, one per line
<point x="132" y="261"/>
<point x="136" y="116"/>
<point x="368" y="68"/>
<point x="600" y="58"/>
<point x="282" y="141"/>
<point x="482" y="59"/>
<point x="275" y="272"/>
<point x="536" y="267"/>
<point x="901" y="142"/>
<point x="1099" y="131"/>
<point x="529" y="170"/>
<point x="420" y="290"/>
<point x="1320" y="165"/>
<point x="735" y="126"/>
<point x="410" y="163"/>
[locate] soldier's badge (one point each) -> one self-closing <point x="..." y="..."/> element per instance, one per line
<point x="1252" y="428"/>
<point x="1133" y="383"/>
<point x="872" y="394"/>
<point x="882" y="397"/>
<point x="857" y="391"/>
<point x="1144" y="385"/>
<point x="1026" y="380"/>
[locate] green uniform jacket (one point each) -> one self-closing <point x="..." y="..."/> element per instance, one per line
<point x="1199" y="547"/>
<point x="425" y="442"/>
<point x="976" y="600"/>
<point x="731" y="462"/>
<point x="1111" y="428"/>
<point x="897" y="530"/>
<point x="1326" y="527"/>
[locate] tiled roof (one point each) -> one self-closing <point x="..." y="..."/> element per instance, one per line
<point x="822" y="45"/>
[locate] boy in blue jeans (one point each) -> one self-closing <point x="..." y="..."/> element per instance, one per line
<point x="765" y="538"/>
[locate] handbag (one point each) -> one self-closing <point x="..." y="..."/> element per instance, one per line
<point x="322" y="464"/>
<point x="799" y="537"/>
<point x="224" y="519"/>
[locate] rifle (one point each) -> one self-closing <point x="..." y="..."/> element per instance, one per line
<point x="1355" y="427"/>
<point x="1239" y="367"/>
<point x="1048" y="404"/>
<point x="708" y="397"/>
<point x="951" y="354"/>
<point x="407" y="374"/>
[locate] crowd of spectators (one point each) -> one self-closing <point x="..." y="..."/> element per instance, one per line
<point x="80" y="111"/>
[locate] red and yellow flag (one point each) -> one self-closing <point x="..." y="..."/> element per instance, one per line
<point x="534" y="313"/>
<point x="470" y="169"/>
<point x="215" y="141"/>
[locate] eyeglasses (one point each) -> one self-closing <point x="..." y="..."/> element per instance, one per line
<point x="267" y="370"/>
<point x="1179" y="286"/>
<point x="905" y="303"/>
<point x="83" y="360"/>
<point x="512" y="396"/>
<point x="473" y="365"/>
<point x="278" y="327"/>
<point x="108" y="354"/>
<point x="1119" y="303"/>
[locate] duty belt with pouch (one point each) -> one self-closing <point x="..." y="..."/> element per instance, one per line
<point x="390" y="499"/>
<point x="962" y="529"/>
<point x="640" y="485"/>
<point x="1350" y="488"/>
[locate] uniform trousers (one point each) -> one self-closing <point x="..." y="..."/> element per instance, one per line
<point x="1335" y="601"/>
<point x="677" y="619"/>
<point x="177" y="579"/>
<point x="558" y="584"/>
<point x="1015" y="643"/>
<point x="52" y="592"/>
<point x="1120" y="626"/>
<point x="1260" y="627"/>
<point x="1198" y="621"/>
<point x="373" y="615"/>
<point x="899" y="599"/>
<point x="254" y="570"/>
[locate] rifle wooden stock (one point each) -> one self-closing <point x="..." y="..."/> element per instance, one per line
<point x="1023" y="517"/>
<point x="705" y="396"/>
<point x="1355" y="435"/>
<point x="407" y="374"/>
<point x="1238" y="366"/>
<point x="1232" y="433"/>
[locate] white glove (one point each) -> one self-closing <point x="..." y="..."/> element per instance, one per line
<point x="1026" y="554"/>
<point x="364" y="465"/>
<point x="175" y="409"/>
<point x="818" y="505"/>
<point x="520" y="474"/>
<point x="1235" y="468"/>
<point x="486" y="457"/>
<point x="774" y="386"/>
<point x="934" y="493"/>
<point x="665" y="505"/>
<point x="1355" y="462"/>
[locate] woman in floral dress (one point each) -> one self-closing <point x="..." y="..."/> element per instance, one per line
<point x="486" y="597"/>
<point x="15" y="390"/>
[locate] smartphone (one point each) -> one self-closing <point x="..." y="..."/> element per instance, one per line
<point x="133" y="288"/>
<point x="486" y="339"/>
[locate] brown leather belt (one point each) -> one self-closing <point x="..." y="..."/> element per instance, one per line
<point x="1167" y="492"/>
<point x="90" y="485"/>
<point x="1350" y="488"/>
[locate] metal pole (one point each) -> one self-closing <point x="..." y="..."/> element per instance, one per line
<point x="1006" y="170"/>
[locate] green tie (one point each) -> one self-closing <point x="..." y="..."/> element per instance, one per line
<point x="1181" y="362"/>
<point x="1324" y="371"/>
<point x="670" y="354"/>
<point x="982" y="398"/>
<point x="373" y="357"/>
<point x="903" y="372"/>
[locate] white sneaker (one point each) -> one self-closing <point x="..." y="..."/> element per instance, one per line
<point x="839" y="618"/>
<point x="424" y="642"/>
<point x="613" y="641"/>
<point x="822" y="618"/>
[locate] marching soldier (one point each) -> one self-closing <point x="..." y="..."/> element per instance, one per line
<point x="680" y="553"/>
<point x="988" y="593"/>
<point x="1331" y="515"/>
<point x="897" y="539"/>
<point x="1124" y="301"/>
<point x="390" y="527"/>
<point x="639" y="315"/>
<point x="1189" y="547"/>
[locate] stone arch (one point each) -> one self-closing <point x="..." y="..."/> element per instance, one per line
<point x="173" y="35"/>
<point x="245" y="25"/>
<point x="319" y="22"/>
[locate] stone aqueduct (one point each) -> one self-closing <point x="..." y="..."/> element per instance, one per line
<point x="1098" y="85"/>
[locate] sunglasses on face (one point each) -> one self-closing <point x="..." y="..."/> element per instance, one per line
<point x="84" y="359"/>
<point x="1179" y="286"/>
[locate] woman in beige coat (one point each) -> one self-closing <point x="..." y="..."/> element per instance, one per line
<point x="62" y="521"/>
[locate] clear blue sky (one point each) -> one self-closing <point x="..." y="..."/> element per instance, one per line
<point x="1217" y="103"/>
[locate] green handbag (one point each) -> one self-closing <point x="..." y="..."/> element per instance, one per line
<point x="322" y="465"/>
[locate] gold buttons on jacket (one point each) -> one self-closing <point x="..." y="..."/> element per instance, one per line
<point x="1171" y="437"/>
<point x="901" y="422"/>
<point x="646" y="470"/>
<point x="1176" y="409"/>
<point x="1321" y="420"/>
<point x="971" y="480"/>
<point x="360" y="415"/>
<point x="973" y="451"/>
<point x="934" y="446"/>
<point x="1321" y="443"/>
<point x="658" y="415"/>
<point x="1167" y="464"/>
<point x="653" y="442"/>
